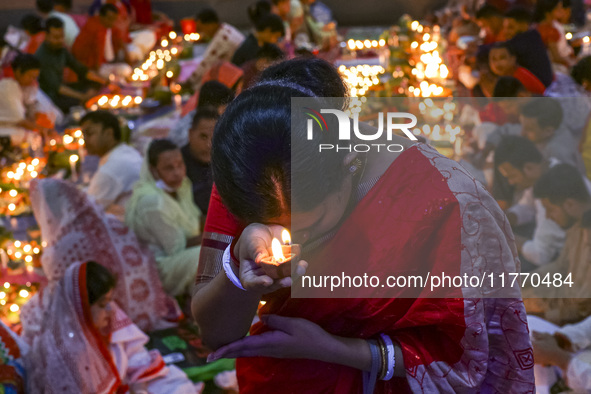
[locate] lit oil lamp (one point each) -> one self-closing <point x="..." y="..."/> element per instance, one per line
<point x="278" y="264"/>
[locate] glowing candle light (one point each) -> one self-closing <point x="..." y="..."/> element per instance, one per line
<point x="382" y="42"/>
<point x="23" y="293"/>
<point x="18" y="255"/>
<point x="29" y="259"/>
<point x="2" y="295"/>
<point x="586" y="39"/>
<point x="187" y="37"/>
<point x="27" y="248"/>
<point x="36" y="250"/>
<point x="174" y="51"/>
<point x="172" y="35"/>
<point x="103" y="100"/>
<point x="13" y="193"/>
<point x="73" y="160"/>
<point x="68" y="139"/>
<point x="6" y="285"/>
<point x="11" y="207"/>
<point x="164" y="43"/>
<point x="14" y="308"/>
<point x="160" y="64"/>
<point x="34" y="174"/>
<point x="138" y="100"/>
<point x="169" y="74"/>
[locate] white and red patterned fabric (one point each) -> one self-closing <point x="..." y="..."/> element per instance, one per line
<point x="74" y="229"/>
<point x="70" y="356"/>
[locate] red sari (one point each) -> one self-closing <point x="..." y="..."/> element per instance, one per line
<point x="428" y="213"/>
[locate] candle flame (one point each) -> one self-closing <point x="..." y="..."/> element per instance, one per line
<point x="286" y="237"/>
<point x="277" y="251"/>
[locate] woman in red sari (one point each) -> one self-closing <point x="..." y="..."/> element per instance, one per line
<point x="400" y="211"/>
<point x="88" y="345"/>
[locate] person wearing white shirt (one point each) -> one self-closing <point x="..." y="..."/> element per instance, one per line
<point x="522" y="164"/>
<point x="119" y="165"/>
<point x="18" y="94"/>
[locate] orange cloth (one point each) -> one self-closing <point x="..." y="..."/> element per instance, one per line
<point x="89" y="47"/>
<point x="35" y="42"/>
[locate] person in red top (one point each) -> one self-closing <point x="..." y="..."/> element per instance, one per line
<point x="98" y="43"/>
<point x="546" y="13"/>
<point x="502" y="62"/>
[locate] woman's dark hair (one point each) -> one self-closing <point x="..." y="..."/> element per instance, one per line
<point x="207" y="15"/>
<point x="53" y="23"/>
<point x="32" y="24"/>
<point x="106" y="119"/>
<point x="25" y="62"/>
<point x="214" y="94"/>
<point x="502" y="45"/>
<point x="560" y="182"/>
<point x="316" y="75"/>
<point x="256" y="148"/>
<point x="508" y="86"/>
<point x="99" y="281"/>
<point x="257" y="10"/>
<point x="517" y="151"/>
<point x="157" y="147"/>
<point x="581" y="71"/>
<point x="543" y="7"/>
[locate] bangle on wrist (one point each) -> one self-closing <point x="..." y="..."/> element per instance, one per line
<point x="229" y="269"/>
<point x="390" y="356"/>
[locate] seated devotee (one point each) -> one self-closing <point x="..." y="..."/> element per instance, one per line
<point x="565" y="347"/>
<point x="17" y="97"/>
<point x="119" y="165"/>
<point x="98" y="45"/>
<point x="266" y="57"/>
<point x="490" y="20"/>
<point x="268" y="30"/>
<point x="197" y="155"/>
<point x="573" y="92"/>
<point x="312" y="32"/>
<point x="564" y="193"/>
<point x="33" y="26"/>
<point x="163" y="214"/>
<point x="520" y="162"/>
<point x="48" y="10"/>
<point x="212" y="94"/>
<point x="87" y="344"/>
<point x="546" y="14"/>
<point x="55" y="58"/>
<point x="503" y="63"/>
<point x="542" y="123"/>
<point x="527" y="44"/>
<point x="12" y="366"/>
<point x="223" y="39"/>
<point x="139" y="41"/>
<point x="328" y="344"/>
<point x="75" y="228"/>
